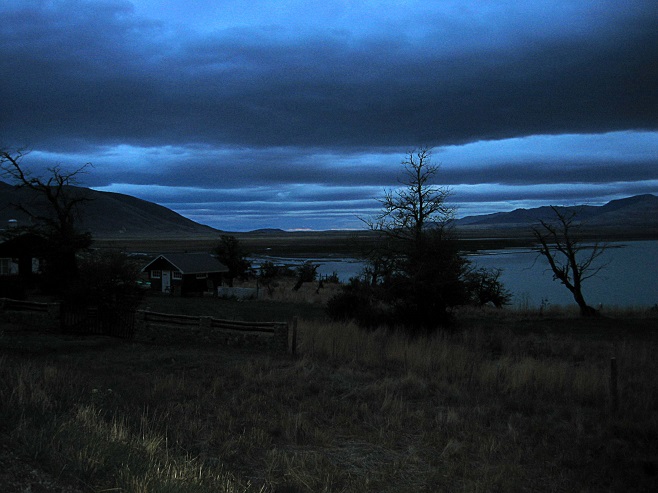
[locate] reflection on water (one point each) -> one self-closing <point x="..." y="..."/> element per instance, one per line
<point x="629" y="279"/>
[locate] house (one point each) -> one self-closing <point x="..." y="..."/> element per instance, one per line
<point x="185" y="273"/>
<point x="21" y="257"/>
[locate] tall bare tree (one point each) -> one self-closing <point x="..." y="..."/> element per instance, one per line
<point x="414" y="216"/>
<point x="416" y="267"/>
<point x="570" y="260"/>
<point x="57" y="221"/>
<point x="415" y="273"/>
<point x="408" y="210"/>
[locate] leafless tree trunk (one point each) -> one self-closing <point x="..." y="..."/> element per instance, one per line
<point x="571" y="262"/>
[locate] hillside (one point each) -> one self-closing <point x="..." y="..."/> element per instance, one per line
<point x="638" y="212"/>
<point x="108" y="215"/>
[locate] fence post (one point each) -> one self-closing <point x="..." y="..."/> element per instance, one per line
<point x="293" y="347"/>
<point x="54" y="311"/>
<point x="614" y="392"/>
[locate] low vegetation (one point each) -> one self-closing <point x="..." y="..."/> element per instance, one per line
<point x="508" y="402"/>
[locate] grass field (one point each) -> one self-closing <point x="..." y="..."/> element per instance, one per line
<point x="509" y="401"/>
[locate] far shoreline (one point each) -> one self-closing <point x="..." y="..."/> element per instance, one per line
<point x="340" y="243"/>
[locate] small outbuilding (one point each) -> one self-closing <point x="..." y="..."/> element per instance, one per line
<point x="185" y="273"/>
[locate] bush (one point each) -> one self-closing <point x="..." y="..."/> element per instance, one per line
<point x="107" y="279"/>
<point x="357" y="302"/>
<point x="306" y="272"/>
<point x="484" y="286"/>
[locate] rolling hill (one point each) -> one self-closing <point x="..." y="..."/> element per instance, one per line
<point x="109" y="215"/>
<point x="632" y="213"/>
<point x="114" y="215"/>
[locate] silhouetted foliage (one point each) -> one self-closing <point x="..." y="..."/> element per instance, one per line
<point x="358" y="301"/>
<point x="108" y="278"/>
<point x="306" y="272"/>
<point x="414" y="274"/>
<point x="269" y="273"/>
<point x="484" y="286"/>
<point x="57" y="221"/>
<point x="232" y="255"/>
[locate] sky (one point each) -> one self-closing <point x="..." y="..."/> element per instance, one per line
<point x="297" y="114"/>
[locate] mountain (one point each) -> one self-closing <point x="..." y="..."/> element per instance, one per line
<point x="637" y="212"/>
<point x="107" y="214"/>
<point x="113" y="215"/>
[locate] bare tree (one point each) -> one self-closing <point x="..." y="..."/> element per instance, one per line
<point x="57" y="221"/>
<point x="408" y="210"/>
<point x="414" y="217"/>
<point x="416" y="268"/>
<point x="571" y="262"/>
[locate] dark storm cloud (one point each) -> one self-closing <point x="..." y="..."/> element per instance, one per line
<point x="282" y="115"/>
<point x="99" y="72"/>
<point x="237" y="168"/>
<point x="548" y="173"/>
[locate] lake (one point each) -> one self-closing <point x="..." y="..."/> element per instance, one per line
<point x="629" y="279"/>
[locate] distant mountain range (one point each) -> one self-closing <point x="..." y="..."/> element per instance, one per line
<point x="108" y="215"/>
<point x="637" y="212"/>
<point x="115" y="215"/>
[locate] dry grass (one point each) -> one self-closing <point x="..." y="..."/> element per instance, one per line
<point x="506" y="403"/>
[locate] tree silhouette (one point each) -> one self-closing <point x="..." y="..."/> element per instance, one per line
<point x="54" y="215"/>
<point x="571" y="262"/>
<point x="416" y="269"/>
<point x="229" y="251"/>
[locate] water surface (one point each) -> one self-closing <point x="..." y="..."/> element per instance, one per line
<point x="630" y="277"/>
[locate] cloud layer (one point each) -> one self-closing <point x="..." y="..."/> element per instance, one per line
<point x="302" y="111"/>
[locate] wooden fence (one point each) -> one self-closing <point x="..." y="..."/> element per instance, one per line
<point x="162" y="326"/>
<point x="8" y="304"/>
<point x="109" y="320"/>
<point x="30" y="314"/>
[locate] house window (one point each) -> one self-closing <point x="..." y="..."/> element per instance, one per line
<point x="8" y="267"/>
<point x="177" y="275"/>
<point x="156" y="274"/>
<point x="202" y="276"/>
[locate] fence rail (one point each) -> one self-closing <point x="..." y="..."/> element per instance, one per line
<point x="30" y="314"/>
<point x="233" y="332"/>
<point x="25" y="306"/>
<point x="108" y="320"/>
<point x="167" y="319"/>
